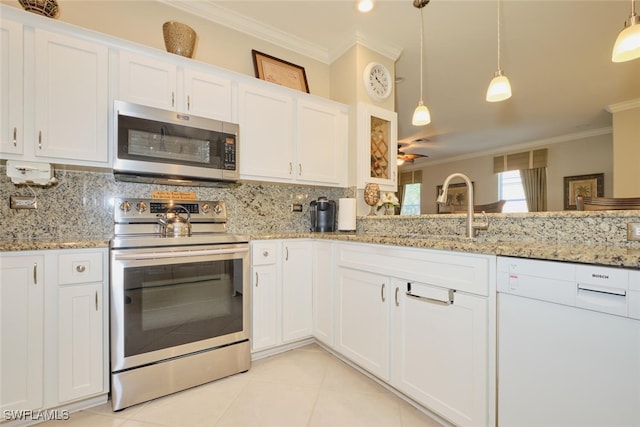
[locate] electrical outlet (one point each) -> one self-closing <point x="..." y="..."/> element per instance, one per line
<point x="633" y="231"/>
<point x="23" y="202"/>
<point x="296" y="207"/>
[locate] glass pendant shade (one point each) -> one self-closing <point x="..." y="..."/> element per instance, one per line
<point x="627" y="46"/>
<point x="499" y="88"/>
<point x="421" y="116"/>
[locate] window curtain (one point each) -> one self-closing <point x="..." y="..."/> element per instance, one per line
<point x="533" y="173"/>
<point x="412" y="177"/>
<point x="534" y="182"/>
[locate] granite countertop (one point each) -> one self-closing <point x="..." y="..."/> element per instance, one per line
<point x="602" y="254"/>
<point x="51" y="243"/>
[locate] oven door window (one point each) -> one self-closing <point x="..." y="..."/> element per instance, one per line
<point x="175" y="304"/>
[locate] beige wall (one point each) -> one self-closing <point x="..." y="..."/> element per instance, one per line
<point x="626" y="152"/>
<point x="578" y="157"/>
<point x="141" y="22"/>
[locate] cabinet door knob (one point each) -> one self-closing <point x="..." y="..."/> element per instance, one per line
<point x="265" y="254"/>
<point x="80" y="268"/>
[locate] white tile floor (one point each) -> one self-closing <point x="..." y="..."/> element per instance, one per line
<point x="302" y="387"/>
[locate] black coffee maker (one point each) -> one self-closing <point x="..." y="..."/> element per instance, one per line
<point x="323" y="215"/>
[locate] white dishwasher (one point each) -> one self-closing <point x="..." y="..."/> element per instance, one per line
<point x="568" y="344"/>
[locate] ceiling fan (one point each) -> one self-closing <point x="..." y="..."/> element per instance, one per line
<point x="410" y="157"/>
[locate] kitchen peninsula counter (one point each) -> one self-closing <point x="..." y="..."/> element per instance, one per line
<point x="601" y="254"/>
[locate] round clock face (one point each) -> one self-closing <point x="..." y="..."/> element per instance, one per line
<point x="377" y="81"/>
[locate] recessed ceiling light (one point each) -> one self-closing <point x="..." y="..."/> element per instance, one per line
<point x="365" y="6"/>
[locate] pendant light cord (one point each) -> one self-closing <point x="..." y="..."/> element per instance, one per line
<point x="421" y="50"/>
<point x="499" y="69"/>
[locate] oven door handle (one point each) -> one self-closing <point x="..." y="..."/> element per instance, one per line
<point x="159" y="255"/>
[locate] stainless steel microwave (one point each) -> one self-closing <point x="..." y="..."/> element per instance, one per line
<point x="168" y="147"/>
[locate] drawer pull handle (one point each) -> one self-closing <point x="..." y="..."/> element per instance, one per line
<point x="257" y="280"/>
<point x="397" y="302"/>
<point x="96" y="300"/>
<point x="15" y="137"/>
<point x="35" y="273"/>
<point x="80" y="268"/>
<point x="382" y="293"/>
<point x="286" y="250"/>
<point x="40" y="140"/>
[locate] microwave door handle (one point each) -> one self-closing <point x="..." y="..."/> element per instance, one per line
<point x="179" y="254"/>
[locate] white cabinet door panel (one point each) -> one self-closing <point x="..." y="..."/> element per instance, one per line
<point x="296" y="290"/>
<point x="11" y="87"/>
<point x="80" y="338"/>
<point x="147" y="81"/>
<point x="441" y="354"/>
<point x="264" y="300"/>
<point x="363" y="319"/>
<point x="207" y="96"/>
<point x="21" y="332"/>
<point x="71" y="98"/>
<point x="266" y="126"/>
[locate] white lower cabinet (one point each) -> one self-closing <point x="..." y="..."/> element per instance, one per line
<point x="440" y="351"/>
<point x="363" y="319"/>
<point x="281" y="292"/>
<point x="296" y="290"/>
<point x="21" y="332"/>
<point x="421" y="320"/>
<point x="54" y="331"/>
<point x="80" y="333"/>
<point x="323" y="291"/>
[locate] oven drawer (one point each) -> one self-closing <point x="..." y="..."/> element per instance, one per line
<point x="83" y="267"/>
<point x="263" y="253"/>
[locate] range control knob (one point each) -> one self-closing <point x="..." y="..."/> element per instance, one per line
<point x="125" y="206"/>
<point x="217" y="209"/>
<point x="206" y="208"/>
<point x="141" y="207"/>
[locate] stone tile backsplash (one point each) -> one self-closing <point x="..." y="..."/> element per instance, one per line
<point x="80" y="205"/>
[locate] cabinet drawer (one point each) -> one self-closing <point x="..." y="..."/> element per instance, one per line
<point x="263" y="253"/>
<point x="79" y="268"/>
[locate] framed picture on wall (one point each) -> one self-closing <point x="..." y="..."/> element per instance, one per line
<point x="583" y="185"/>
<point x="278" y="71"/>
<point x="457" y="196"/>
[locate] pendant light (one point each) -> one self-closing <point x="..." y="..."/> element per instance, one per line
<point x="421" y="115"/>
<point x="627" y="46"/>
<point x="499" y="88"/>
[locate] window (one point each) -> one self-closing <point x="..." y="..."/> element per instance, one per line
<point x="510" y="189"/>
<point x="411" y="200"/>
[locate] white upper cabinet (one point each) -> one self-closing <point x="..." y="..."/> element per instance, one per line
<point x="71" y="82"/>
<point x="322" y="130"/>
<point x="266" y="134"/>
<point x="290" y="137"/>
<point x="11" y="87"/>
<point x="147" y="81"/>
<point x="54" y="96"/>
<point x="163" y="84"/>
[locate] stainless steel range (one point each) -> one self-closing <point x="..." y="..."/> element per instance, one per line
<point x="179" y="298"/>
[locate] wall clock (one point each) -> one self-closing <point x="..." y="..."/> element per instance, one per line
<point x="377" y="81"/>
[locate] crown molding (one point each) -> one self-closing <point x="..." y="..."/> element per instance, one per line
<point x="522" y="147"/>
<point x="387" y="50"/>
<point x="222" y="16"/>
<point x="622" y="106"/>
